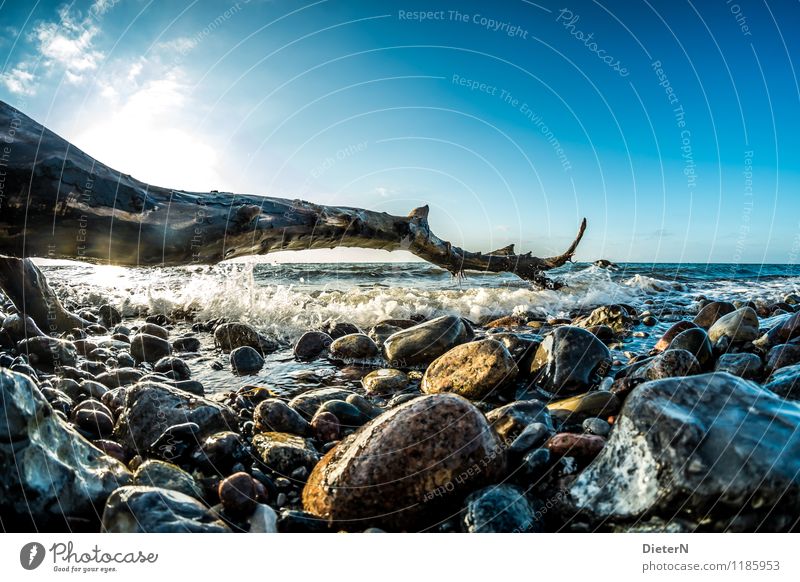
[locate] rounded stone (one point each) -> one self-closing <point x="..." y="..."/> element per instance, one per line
<point x="149" y="348"/>
<point x="246" y="360"/>
<point x="744" y="365"/>
<point x="403" y="468"/>
<point x="580" y="446"/>
<point x="472" y="370"/>
<point x="669" y="335"/>
<point x="95" y="422"/>
<point x="186" y="344"/>
<point x="499" y="509"/>
<point x="237" y="494"/>
<point x="696" y="342"/>
<point x="385" y="381"/>
<point x="155" y="473"/>
<point x="325" y="427"/>
<point x="713" y="311"/>
<point x="425" y="342"/>
<point x="178" y="367"/>
<point x="355" y="346"/>
<point x="311" y="344"/>
<point x="273" y="415"/>
<point x="570" y="359"/>
<point x="739" y="326"/>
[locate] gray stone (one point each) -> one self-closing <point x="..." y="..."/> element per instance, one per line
<point x="49" y="471"/>
<point x="713" y="447"/>
<point x="385" y="381"/>
<point x="149" y="348"/>
<point x="785" y="382"/>
<point x="425" y="342"/>
<point x="138" y="509"/>
<point x="229" y="336"/>
<point x="48" y="351"/>
<point x="155" y="473"/>
<point x="744" y="365"/>
<point x="246" y="360"/>
<point x="499" y="509"/>
<point x="150" y="408"/>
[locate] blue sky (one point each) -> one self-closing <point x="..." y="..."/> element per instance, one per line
<point x="672" y="126"/>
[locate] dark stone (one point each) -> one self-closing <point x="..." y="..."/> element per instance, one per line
<point x="246" y="360"/>
<point x="510" y="420"/>
<point x="154" y="329"/>
<point x="49" y="352"/>
<point x="237" y="494"/>
<point x="150" y="408"/>
<point x="355" y="346"/>
<point x="176" y="442"/>
<point x="49" y="472"/>
<point x="149" y="348"/>
<point x="120" y="377"/>
<point x="672" y="333"/>
<point x="136" y="509"/>
<point x="744" y="365"/>
<point x="712" y="448"/>
<point x="349" y="416"/>
<point x="229" y="336"/>
<point x="337" y="330"/>
<point x="309" y="402"/>
<point x="273" y="415"/>
<point x="109" y="314"/>
<point x="178" y="367"/>
<point x="311" y="344"/>
<point x="186" y="344"/>
<point x="781" y="356"/>
<point x="785" y="382"/>
<point x="696" y="342"/>
<point x="570" y="360"/>
<point x="325" y="427"/>
<point x="220" y="452"/>
<point x="499" y="509"/>
<point x="283" y="452"/>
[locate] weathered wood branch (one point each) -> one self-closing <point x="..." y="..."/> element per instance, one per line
<point x="58" y="202"/>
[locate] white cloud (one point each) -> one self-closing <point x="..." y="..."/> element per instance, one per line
<point x="19" y="81"/>
<point x="181" y="44"/>
<point x="67" y="44"/>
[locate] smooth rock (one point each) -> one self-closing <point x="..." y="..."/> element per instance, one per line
<point x="400" y="470"/>
<point x="283" y="452"/>
<point x="154" y="329"/>
<point x="781" y="356"/>
<point x="785" y="382"/>
<point x="237" y="494"/>
<point x="138" y="509"/>
<point x="595" y="403"/>
<point x="150" y="408"/>
<point x="785" y="331"/>
<point x="120" y="377"/>
<point x="178" y="367"/>
<point x="510" y="420"/>
<point x="149" y="348"/>
<point x="49" y="351"/>
<point x="738" y="327"/>
<point x="712" y="448"/>
<point x="155" y="473"/>
<point x="584" y="447"/>
<point x="309" y="402"/>
<point x="570" y="360"/>
<point x="499" y="509"/>
<point x="473" y="370"/>
<point x="672" y="333"/>
<point x="325" y="427"/>
<point x="186" y="344"/>
<point x="109" y="314"/>
<point x="246" y="360"/>
<point x="425" y="342"/>
<point x="264" y="519"/>
<point x="49" y="471"/>
<point x="712" y="312"/>
<point x="744" y="365"/>
<point x="668" y="364"/>
<point x="384" y="382"/>
<point x="311" y="344"/>
<point x="229" y="336"/>
<point x="273" y="415"/>
<point x="696" y="342"/>
<point x="354" y="346"/>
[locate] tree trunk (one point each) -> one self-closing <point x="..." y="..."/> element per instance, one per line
<point x="58" y="202"/>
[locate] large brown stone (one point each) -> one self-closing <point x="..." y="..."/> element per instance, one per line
<point x="402" y="469"/>
<point x="472" y="370"/>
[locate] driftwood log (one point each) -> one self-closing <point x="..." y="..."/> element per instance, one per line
<point x="58" y="202"/>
